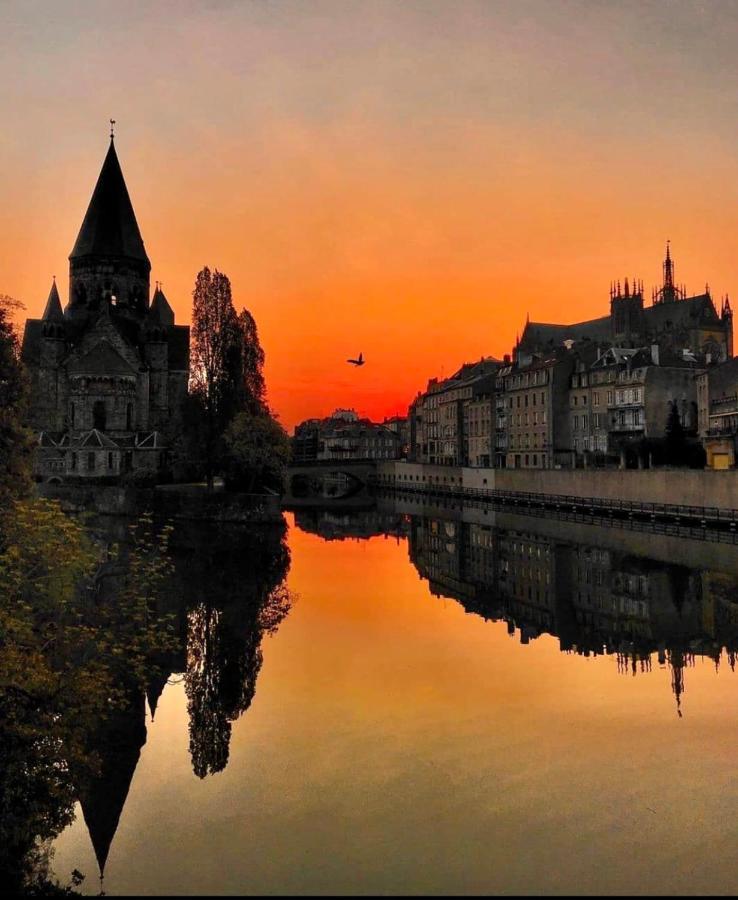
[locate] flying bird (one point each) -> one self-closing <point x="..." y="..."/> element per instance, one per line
<point x="357" y="362"/>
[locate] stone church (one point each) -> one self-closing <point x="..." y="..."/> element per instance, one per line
<point x="109" y="371"/>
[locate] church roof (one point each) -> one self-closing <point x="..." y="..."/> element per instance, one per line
<point x="53" y="311"/>
<point x="109" y="227"/>
<point x="682" y="313"/>
<point x="160" y="310"/>
<point x="95" y="438"/>
<point x="102" y="359"/>
<point x="542" y="334"/>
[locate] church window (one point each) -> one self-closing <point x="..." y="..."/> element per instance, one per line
<point x="99" y="416"/>
<point x="110" y="460"/>
<point x="129" y="417"/>
<point x="90" y="462"/>
<point x="71" y="415"/>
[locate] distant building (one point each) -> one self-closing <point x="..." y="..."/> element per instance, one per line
<point x="400" y="425"/>
<point x="532" y="421"/>
<point x="343" y="435"/>
<point x="444" y="428"/>
<point x="674" y="321"/>
<point x="108" y="373"/>
<point x="717" y="392"/>
<point x="624" y="398"/>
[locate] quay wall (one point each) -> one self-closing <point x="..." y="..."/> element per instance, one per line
<point x="688" y="487"/>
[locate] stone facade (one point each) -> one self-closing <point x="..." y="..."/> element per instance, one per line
<point x="109" y="373"/>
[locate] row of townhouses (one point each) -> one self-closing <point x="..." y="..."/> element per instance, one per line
<point x="601" y="392"/>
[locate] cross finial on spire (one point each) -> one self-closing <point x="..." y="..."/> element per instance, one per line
<point x="112" y="129"/>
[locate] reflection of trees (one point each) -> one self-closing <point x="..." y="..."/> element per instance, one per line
<point x="78" y="628"/>
<point x="245" y="599"/>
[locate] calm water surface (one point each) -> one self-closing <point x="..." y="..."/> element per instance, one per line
<point x="455" y="702"/>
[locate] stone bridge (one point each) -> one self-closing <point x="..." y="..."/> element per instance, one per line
<point x="327" y="481"/>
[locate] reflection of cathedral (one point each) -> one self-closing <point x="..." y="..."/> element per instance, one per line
<point x="595" y="600"/>
<point x="227" y="594"/>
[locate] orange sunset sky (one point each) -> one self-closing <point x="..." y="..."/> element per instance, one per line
<point x="408" y="179"/>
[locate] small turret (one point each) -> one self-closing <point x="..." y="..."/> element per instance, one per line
<point x="53" y="317"/>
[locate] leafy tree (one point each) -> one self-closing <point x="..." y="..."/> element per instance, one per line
<point x="15" y="440"/>
<point x="77" y="625"/>
<point x="227" y="384"/>
<point x="675" y="441"/>
<point x="214" y="354"/>
<point x="257" y="451"/>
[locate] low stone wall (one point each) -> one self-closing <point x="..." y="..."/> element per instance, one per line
<point x="689" y="487"/>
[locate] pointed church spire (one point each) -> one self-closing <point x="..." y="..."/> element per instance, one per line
<point x="668" y="267"/>
<point x="53" y="311"/>
<point x="109" y="227"/>
<point x="160" y="309"/>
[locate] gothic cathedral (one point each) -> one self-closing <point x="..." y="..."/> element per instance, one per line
<point x="109" y="372"/>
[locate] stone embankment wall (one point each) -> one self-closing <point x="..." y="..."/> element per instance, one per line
<point x="688" y="487"/>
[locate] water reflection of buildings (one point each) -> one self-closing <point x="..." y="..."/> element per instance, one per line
<point x="340" y="525"/>
<point x="227" y="593"/>
<point x="593" y="598"/>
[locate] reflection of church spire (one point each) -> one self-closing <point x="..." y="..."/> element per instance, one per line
<point x="102" y="798"/>
<point x="677" y="664"/>
<point x="154" y="690"/>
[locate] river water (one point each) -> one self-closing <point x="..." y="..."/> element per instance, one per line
<point x="455" y="701"/>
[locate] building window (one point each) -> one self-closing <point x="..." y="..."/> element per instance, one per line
<point x="74" y="462"/>
<point x="99" y="415"/>
<point x="71" y="415"/>
<point x="110" y="460"/>
<point x="90" y="462"/>
<point x="129" y="417"/>
<point x="596" y="398"/>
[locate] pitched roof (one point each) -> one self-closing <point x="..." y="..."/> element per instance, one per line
<point x="102" y="359"/>
<point x="53" y="311"/>
<point x="109" y="227"/>
<point x="31" y="346"/>
<point x="160" y="310"/>
<point x="682" y="313"/>
<point x="537" y="335"/>
<point x="95" y="438"/>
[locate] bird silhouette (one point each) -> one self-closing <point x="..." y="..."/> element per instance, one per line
<point x="357" y="362"/>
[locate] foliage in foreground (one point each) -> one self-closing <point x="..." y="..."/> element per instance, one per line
<point x="78" y="627"/>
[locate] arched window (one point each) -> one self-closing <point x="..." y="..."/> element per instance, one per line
<point x="99" y="416"/>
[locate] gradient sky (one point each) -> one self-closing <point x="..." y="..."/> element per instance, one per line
<point x="408" y="179"/>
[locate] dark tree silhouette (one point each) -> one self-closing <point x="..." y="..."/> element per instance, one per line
<point x="15" y="440"/>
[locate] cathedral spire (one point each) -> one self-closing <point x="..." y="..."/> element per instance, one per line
<point x="668" y="268"/>
<point x="109" y="228"/>
<point x="53" y="311"/>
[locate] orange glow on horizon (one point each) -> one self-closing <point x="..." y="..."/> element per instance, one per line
<point x="412" y="194"/>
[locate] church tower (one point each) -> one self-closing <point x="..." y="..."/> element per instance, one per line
<point x="626" y="314"/>
<point x="108" y="261"/>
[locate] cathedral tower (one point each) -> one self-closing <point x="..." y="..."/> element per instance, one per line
<point x="108" y="261"/>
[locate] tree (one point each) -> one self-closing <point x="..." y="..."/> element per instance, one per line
<point x="214" y="334"/>
<point x="15" y="440"/>
<point x="675" y="441"/>
<point x="228" y="385"/>
<point x="77" y="627"/>
<point x="256" y="453"/>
